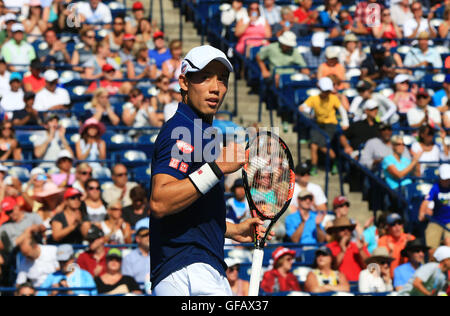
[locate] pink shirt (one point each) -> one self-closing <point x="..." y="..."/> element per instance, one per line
<point x="59" y="178"/>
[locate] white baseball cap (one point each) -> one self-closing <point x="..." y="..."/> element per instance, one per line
<point x="444" y="171"/>
<point x="288" y="38"/>
<point x="17" y="27"/>
<point x="370" y="105"/>
<point x="332" y="52"/>
<point x="401" y="78"/>
<point x="442" y="253"/>
<point x="318" y="39"/>
<point x="50" y="75"/>
<point x="199" y="57"/>
<point x="326" y="84"/>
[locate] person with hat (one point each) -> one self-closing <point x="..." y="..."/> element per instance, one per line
<point x="17" y="51"/>
<point x="424" y="57"/>
<point x="238" y="203"/>
<point x="404" y="96"/>
<point x="69" y="276"/>
<point x="280" y="278"/>
<point x="377" y="277"/>
<point x="324" y="277"/>
<point x="93" y="259"/>
<point x="416" y="25"/>
<point x="64" y="177"/>
<point x="315" y="56"/>
<point x="91" y="146"/>
<point x="113" y="282"/>
<point x="181" y="187"/>
<point x="325" y="105"/>
<point x="331" y="66"/>
<point x="137" y="263"/>
<point x="94" y="12"/>
<point x="52" y="97"/>
<point x="395" y="240"/>
<point x="280" y="54"/>
<point x="161" y="52"/>
<point x="305" y="226"/>
<point x="431" y="278"/>
<point x="350" y="255"/>
<point x="238" y="286"/>
<point x="8" y="20"/>
<point x="12" y="100"/>
<point x="436" y="207"/>
<point x="424" y="114"/>
<point x="415" y="251"/>
<point x="138" y="14"/>
<point x="302" y="182"/>
<point x="352" y="55"/>
<point x="171" y="108"/>
<point x="108" y="81"/>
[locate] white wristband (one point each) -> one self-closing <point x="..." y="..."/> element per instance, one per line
<point x="204" y="179"/>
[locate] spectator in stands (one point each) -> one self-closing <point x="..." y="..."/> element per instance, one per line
<point x="85" y="50"/>
<point x="116" y="36"/>
<point x="21" y="225"/>
<point x="171" y="108"/>
<point x="350" y="255"/>
<point x="93" y="259"/>
<point x="126" y="49"/>
<point x="108" y="82"/>
<point x="94" y="66"/>
<point x="377" y="277"/>
<point x="40" y="261"/>
<point x="139" y="208"/>
<point x="132" y="22"/>
<point x="302" y="183"/>
<point x="51" y="97"/>
<point x="316" y="55"/>
<point x="121" y="188"/>
<point x="437" y="209"/>
<point x="91" y="146"/>
<point x="69" y="276"/>
<point x="397" y="167"/>
<point x="270" y="11"/>
<point x="441" y="97"/>
<point x="324" y="277"/>
<point x="280" y="278"/>
<point x="144" y="35"/>
<point x="238" y="286"/>
<point x="401" y="12"/>
<point x="12" y="100"/>
<point x="160" y="53"/>
<point x="252" y="30"/>
<point x="4" y="77"/>
<point x="305" y="226"/>
<point x="423" y="56"/>
<point x="352" y="55"/>
<point x="239" y="202"/>
<point x="330" y="15"/>
<point x="93" y="205"/>
<point x="6" y="33"/>
<point x="141" y="112"/>
<point x="137" y="263"/>
<point x="305" y="15"/>
<point x="403" y="96"/>
<point x="388" y="28"/>
<point x="360" y="132"/>
<point x="95" y="12"/>
<point x="280" y="54"/>
<point x="431" y="278"/>
<point x="233" y="13"/>
<point x="25" y="289"/>
<point x="55" y="51"/>
<point x="332" y="66"/>
<point x="35" y="185"/>
<point x="415" y="252"/>
<point x="64" y="177"/>
<point x="444" y="28"/>
<point x="163" y="97"/>
<point x="424" y="114"/>
<point x="28" y="116"/>
<point x="102" y="109"/>
<point x="34" y="82"/>
<point x="446" y="117"/>
<point x="142" y="67"/>
<point x="82" y="174"/>
<point x="343" y="25"/>
<point x="413" y="27"/>
<point x="112" y="281"/>
<point x="9" y="146"/>
<point x="288" y="23"/>
<point x="325" y="106"/>
<point x="171" y="68"/>
<point x="395" y="240"/>
<point x="116" y="230"/>
<point x="70" y="226"/>
<point x="17" y="51"/>
<point x="381" y="63"/>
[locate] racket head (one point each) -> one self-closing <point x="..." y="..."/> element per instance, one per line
<point x="269" y="177"/>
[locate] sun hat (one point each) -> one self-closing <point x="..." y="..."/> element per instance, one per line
<point x="341" y="222"/>
<point x="414" y="245"/>
<point x="370" y="105"/>
<point x="400" y="78"/>
<point x="49" y="190"/>
<point x="114" y="253"/>
<point x="17" y="27"/>
<point x="93" y="122"/>
<point x="64" y="252"/>
<point x="442" y="253"/>
<point x="326" y="84"/>
<point x="351" y="38"/>
<point x="280" y="252"/>
<point x="51" y="75"/>
<point x="332" y="52"/>
<point x="288" y="38"/>
<point x="318" y="39"/>
<point x="379" y="254"/>
<point x="199" y="57"/>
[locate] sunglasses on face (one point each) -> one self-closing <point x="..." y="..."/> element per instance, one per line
<point x="76" y="197"/>
<point x="86" y="173"/>
<point x="309" y="197"/>
<point x="396" y="223"/>
<point x="384" y="262"/>
<point x="94" y="188"/>
<point x="232" y="269"/>
<point x="144" y="235"/>
<point x="115" y="209"/>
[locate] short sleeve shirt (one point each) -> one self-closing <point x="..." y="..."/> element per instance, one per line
<point x="309" y="235"/>
<point x="441" y="198"/>
<point x="324" y="109"/>
<point x="277" y="58"/>
<point x="351" y="265"/>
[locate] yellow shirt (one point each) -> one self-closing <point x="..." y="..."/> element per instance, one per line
<point x="325" y="109"/>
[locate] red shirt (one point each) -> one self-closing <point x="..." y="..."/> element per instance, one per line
<point x="352" y="263"/>
<point x="285" y="284"/>
<point x="37" y="84"/>
<point x="87" y="262"/>
<point x="112" y="87"/>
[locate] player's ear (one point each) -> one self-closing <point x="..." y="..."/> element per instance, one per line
<point x="183" y="81"/>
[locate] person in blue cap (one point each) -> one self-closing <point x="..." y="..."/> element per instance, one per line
<point x="187" y="201"/>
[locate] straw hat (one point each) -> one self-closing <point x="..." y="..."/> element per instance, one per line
<point x="340" y="222"/>
<point x="93" y="122"/>
<point x="379" y="254"/>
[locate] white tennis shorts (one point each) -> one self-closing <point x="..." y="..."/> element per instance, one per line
<point x="198" y="279"/>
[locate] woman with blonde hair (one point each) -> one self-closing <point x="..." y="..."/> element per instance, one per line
<point x="102" y="57"/>
<point x="171" y="68"/>
<point x="116" y="230"/>
<point x="102" y="109"/>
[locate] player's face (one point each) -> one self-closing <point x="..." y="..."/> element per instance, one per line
<point x="206" y="89"/>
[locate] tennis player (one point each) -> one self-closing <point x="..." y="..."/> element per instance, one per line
<point x="187" y="202"/>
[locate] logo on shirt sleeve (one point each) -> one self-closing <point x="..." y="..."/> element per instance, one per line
<point x="174" y="163"/>
<point x="184" y="167"/>
<point x="185" y="147"/>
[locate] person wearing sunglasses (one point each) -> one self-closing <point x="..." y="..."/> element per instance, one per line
<point x="93" y="205"/>
<point x="82" y="174"/>
<point x="238" y="286"/>
<point x="415" y="251"/>
<point x="121" y="188"/>
<point x="423" y="113"/>
<point x="85" y="50"/>
<point x="116" y="230"/>
<point x="377" y="277"/>
<point x="418" y="24"/>
<point x="9" y="146"/>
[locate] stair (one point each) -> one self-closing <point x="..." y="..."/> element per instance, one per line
<point x="248" y="112"/>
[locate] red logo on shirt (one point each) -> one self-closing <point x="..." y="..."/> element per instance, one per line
<point x="185" y="147"/>
<point x="174" y="163"/>
<point x="184" y="167"/>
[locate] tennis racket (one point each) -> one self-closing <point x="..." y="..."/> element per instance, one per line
<point x="269" y="181"/>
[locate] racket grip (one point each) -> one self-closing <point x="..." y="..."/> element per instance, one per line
<point x="255" y="276"/>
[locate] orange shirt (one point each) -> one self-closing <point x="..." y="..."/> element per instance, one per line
<point x="338" y="70"/>
<point x="397" y="245"/>
<point x="447" y="62"/>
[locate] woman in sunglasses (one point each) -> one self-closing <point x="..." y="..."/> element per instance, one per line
<point x="238" y="286"/>
<point x="377" y="277"/>
<point x="85" y="50"/>
<point x="9" y="147"/>
<point x="93" y="205"/>
<point x="116" y="230"/>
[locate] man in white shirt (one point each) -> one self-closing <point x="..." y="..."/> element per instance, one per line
<point x="4" y="77"/>
<point x="12" y="100"/>
<point x="401" y="12"/>
<point x="95" y="12"/>
<point x="51" y="97"/>
<point x="424" y="113"/>
<point x="418" y="24"/>
<point x="302" y="176"/>
<point x="17" y="51"/>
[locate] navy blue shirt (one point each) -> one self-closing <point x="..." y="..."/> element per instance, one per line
<point x="196" y="234"/>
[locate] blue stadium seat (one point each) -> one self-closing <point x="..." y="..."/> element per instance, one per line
<point x="142" y="174"/>
<point x="132" y="158"/>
